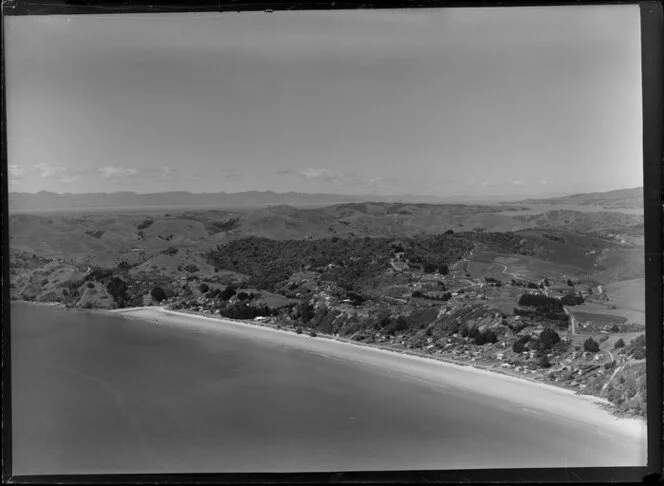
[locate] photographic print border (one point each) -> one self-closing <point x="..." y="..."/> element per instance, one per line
<point x="652" y="55"/>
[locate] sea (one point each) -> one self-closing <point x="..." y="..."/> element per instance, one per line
<point x="97" y="393"/>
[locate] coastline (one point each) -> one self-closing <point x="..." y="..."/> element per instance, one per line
<point x="561" y="401"/>
<point x="598" y="410"/>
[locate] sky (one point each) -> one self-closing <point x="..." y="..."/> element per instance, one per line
<point x="477" y="101"/>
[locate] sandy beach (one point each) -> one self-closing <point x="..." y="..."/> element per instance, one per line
<point x="532" y="397"/>
<point x="152" y="390"/>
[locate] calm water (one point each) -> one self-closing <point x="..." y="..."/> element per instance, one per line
<point x="96" y="393"/>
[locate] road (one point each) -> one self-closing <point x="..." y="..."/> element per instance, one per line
<point x="97" y="393"/>
<point x="513" y="275"/>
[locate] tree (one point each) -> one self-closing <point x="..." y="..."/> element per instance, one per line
<point x="549" y="338"/>
<point x="449" y="232"/>
<point x="158" y="294"/>
<point x="191" y="268"/>
<point x="619" y="344"/>
<point x="124" y="265"/>
<point x="227" y="293"/>
<point x="591" y="345"/>
<point x="532" y="285"/>
<point x="242" y="296"/>
<point x="118" y="290"/>
<point x="443" y="269"/>
<point x="480" y="339"/>
<point x="570" y="283"/>
<point x="306" y="311"/>
<point x="544" y="362"/>
<point x="571" y="299"/>
<point x="417" y="294"/>
<point x="203" y="287"/>
<point x="428" y="267"/>
<point x="519" y="345"/>
<point x="490" y="336"/>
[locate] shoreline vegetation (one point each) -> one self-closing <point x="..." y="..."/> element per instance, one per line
<point x="628" y="423"/>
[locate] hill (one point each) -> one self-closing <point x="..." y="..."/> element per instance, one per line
<point x="112" y="236"/>
<point x="620" y="198"/>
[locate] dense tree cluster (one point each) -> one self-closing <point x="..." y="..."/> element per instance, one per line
<point x="118" y="290"/>
<point x="483" y="337"/>
<point x="227" y="293"/>
<point x="505" y="242"/>
<point x="519" y="345"/>
<point x="591" y="345"/>
<point x="637" y="347"/>
<point x="343" y="261"/>
<point x="571" y="299"/>
<point x="548" y="338"/>
<point x="541" y="302"/>
<point x="158" y="294"/>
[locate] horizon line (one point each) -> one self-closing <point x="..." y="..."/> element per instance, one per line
<point x="558" y="194"/>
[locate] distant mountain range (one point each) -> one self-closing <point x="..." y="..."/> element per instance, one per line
<point x="620" y="198"/>
<point x="49" y="201"/>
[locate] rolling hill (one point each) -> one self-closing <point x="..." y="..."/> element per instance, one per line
<point x="108" y="235"/>
<point x="620" y="198"/>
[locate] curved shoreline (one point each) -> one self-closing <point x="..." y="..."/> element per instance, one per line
<point x="560" y="401"/>
<point x="634" y="426"/>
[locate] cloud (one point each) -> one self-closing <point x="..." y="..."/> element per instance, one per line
<point x="15" y="171"/>
<point x="49" y="170"/>
<point x="518" y="183"/>
<point x="109" y="171"/>
<point x="337" y="178"/>
<point x="68" y="179"/>
<point x="545" y="182"/>
<point x="234" y="177"/>
<point x="286" y="171"/>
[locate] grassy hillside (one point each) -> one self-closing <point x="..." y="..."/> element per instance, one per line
<point x="621" y="198"/>
<point x="100" y="236"/>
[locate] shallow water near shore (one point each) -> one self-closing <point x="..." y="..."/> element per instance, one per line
<point x="101" y="393"/>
